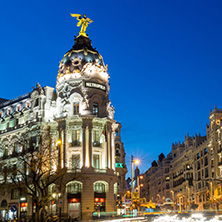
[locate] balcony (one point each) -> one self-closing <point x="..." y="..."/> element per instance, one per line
<point x="96" y="144"/>
<point x="100" y="170"/>
<point x="117" y="154"/>
<point x="74" y="170"/>
<point x="75" y="143"/>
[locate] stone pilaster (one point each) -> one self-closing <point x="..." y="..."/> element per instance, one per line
<point x="87" y="200"/>
<point x="90" y="145"/>
<point x="110" y="201"/>
<point x="84" y="146"/>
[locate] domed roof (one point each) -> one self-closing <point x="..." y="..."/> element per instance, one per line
<point x="81" y="53"/>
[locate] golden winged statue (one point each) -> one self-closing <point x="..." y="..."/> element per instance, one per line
<point x="84" y="21"/>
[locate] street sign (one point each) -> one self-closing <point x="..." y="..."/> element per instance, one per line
<point x="13" y="208"/>
<point x="119" y="165"/>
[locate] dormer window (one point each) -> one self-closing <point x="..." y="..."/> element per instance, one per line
<point x="36" y="102"/>
<point x="1" y="114"/>
<point x="28" y="104"/>
<point x="18" y="107"/>
<point x="9" y="110"/>
<point x="75" y="108"/>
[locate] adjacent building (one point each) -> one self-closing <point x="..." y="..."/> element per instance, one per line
<point x="190" y="177"/>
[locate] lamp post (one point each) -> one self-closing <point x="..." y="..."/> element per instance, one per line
<point x="136" y="162"/>
<point x="57" y="197"/>
<point x="173" y="198"/>
<point x="138" y="184"/>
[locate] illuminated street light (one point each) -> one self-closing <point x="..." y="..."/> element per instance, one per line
<point x="132" y="162"/>
<point x="58" y="142"/>
<point x="57" y="196"/>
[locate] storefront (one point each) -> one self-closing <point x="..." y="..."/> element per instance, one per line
<point x="100" y="202"/>
<point x="23" y="209"/>
<point x="74" y="205"/>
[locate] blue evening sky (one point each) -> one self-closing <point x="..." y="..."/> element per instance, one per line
<point x="164" y="59"/>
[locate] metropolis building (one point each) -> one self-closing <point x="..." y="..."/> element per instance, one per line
<point x="79" y="114"/>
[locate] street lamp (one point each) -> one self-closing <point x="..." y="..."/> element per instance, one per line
<point x="138" y="184"/>
<point x="57" y="197"/>
<point x="132" y="162"/>
<point x="172" y="197"/>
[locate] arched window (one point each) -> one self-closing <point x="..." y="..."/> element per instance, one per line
<point x="75" y="108"/>
<point x="73" y="187"/>
<point x="99" y="188"/>
<point x="52" y="188"/>
<point x="117" y="145"/>
<point x="95" y="108"/>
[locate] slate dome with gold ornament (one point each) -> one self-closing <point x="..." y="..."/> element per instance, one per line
<point x="79" y="55"/>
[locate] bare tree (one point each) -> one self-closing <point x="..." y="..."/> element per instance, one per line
<point x="36" y="169"/>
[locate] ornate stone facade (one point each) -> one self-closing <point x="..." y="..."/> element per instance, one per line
<point x="77" y="112"/>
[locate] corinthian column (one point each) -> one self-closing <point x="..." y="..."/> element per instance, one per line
<point x="83" y="146"/>
<point x="90" y="145"/>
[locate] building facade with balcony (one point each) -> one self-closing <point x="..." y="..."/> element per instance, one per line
<point x="194" y="168"/>
<point x="78" y="114"/>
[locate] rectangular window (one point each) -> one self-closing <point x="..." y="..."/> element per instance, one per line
<point x="206" y="172"/>
<point x="76" y="161"/>
<point x="95" y="108"/>
<point x="15" y="194"/>
<point x="33" y="142"/>
<point x="96" y="161"/>
<point x="75" y="135"/>
<point x="96" y="138"/>
<point x="76" y="108"/>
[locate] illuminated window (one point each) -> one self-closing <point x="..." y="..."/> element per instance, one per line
<point x="167" y="178"/>
<point x="16" y="148"/>
<point x="73" y="188"/>
<point x="18" y="107"/>
<point x="96" y="137"/>
<point x="95" y="109"/>
<point x="28" y="104"/>
<point x="9" y="110"/>
<point x="96" y="161"/>
<point x="76" y="108"/>
<point x="76" y="161"/>
<point x="99" y="188"/>
<point x="76" y="138"/>
<point x="1" y="114"/>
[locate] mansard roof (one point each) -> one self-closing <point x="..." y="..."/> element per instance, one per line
<point x="5" y="102"/>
